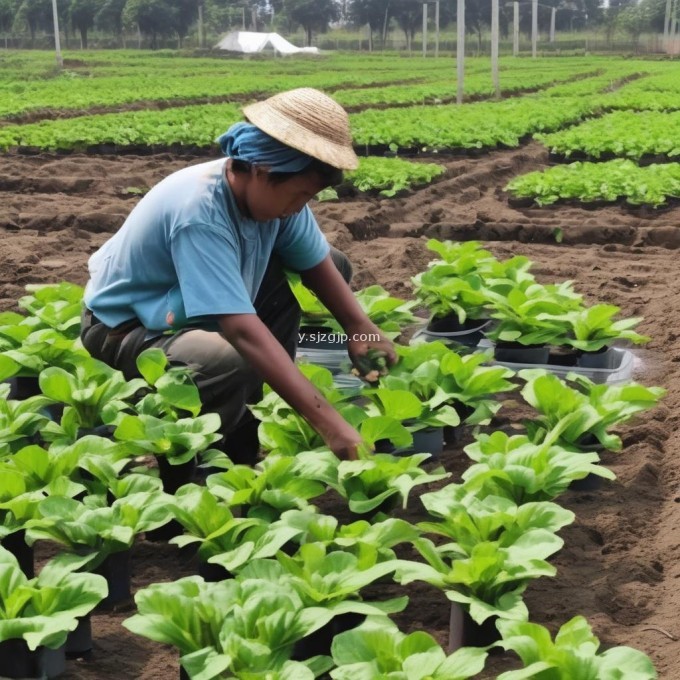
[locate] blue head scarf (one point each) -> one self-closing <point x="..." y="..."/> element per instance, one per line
<point x="245" y="142"/>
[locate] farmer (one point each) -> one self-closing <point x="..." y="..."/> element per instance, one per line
<point x="197" y="270"/>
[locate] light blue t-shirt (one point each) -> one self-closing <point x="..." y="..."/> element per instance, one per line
<point x="185" y="251"/>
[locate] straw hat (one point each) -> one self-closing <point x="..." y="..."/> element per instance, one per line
<point x="309" y="121"/>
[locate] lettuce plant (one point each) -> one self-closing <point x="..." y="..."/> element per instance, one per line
<point x="312" y="527"/>
<point x="370" y="481"/>
<point x="38" y="350"/>
<point x="329" y="579"/>
<point x="277" y="484"/>
<point x="591" y="328"/>
<point x="516" y="468"/>
<point x="20" y="421"/>
<point x="178" y="440"/>
<point x="99" y="531"/>
<point x="457" y="283"/>
<point x="468" y="519"/>
<point x="389" y="313"/>
<point x="572" y="654"/>
<point x="530" y="313"/>
<point x="218" y="532"/>
<point x="56" y="306"/>
<point x="174" y="392"/>
<point x="442" y="378"/>
<point x="488" y="579"/>
<point x="240" y="628"/>
<point x="93" y="392"/>
<point x="42" y="610"/>
<point x="378" y="649"/>
<point x="568" y="414"/>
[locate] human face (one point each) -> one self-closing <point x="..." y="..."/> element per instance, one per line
<point x="266" y="200"/>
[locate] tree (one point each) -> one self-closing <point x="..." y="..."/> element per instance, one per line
<point x="153" y="17"/>
<point x="635" y="20"/>
<point x="109" y="17"/>
<point x="186" y="12"/>
<point x="375" y="13"/>
<point x="409" y="17"/>
<point x="6" y="17"/>
<point x="312" y="14"/>
<point x="35" y="14"/>
<point x="82" y="17"/>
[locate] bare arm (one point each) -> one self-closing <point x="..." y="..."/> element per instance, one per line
<point x="255" y="343"/>
<point x="326" y="281"/>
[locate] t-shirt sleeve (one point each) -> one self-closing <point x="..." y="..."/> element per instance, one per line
<point x="209" y="272"/>
<point x="300" y="242"/>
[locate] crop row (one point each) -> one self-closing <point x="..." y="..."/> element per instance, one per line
<point x="470" y="126"/>
<point x="623" y="133"/>
<point x="609" y="181"/>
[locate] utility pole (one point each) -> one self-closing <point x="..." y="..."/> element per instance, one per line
<point x="436" y="28"/>
<point x="534" y="28"/>
<point x="57" y="43"/>
<point x="494" y="49"/>
<point x="515" y="29"/>
<point x="552" y="24"/>
<point x="201" y="41"/>
<point x="667" y="23"/>
<point x="460" y="51"/>
<point x="424" y="29"/>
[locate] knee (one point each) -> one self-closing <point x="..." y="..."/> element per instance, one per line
<point x="342" y="264"/>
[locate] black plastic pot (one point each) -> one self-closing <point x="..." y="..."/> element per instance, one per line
<point x="563" y="356"/>
<point x="172" y="476"/>
<point x="454" y="435"/>
<point x="606" y="358"/>
<point x="183" y="675"/>
<point x="449" y="329"/>
<point x="117" y="570"/>
<point x="79" y="641"/>
<point x="426" y="440"/>
<point x="54" y="661"/>
<point x="516" y="353"/>
<point x="23" y="387"/>
<point x="16" y="544"/>
<point x="319" y="642"/>
<point x="591" y="482"/>
<point x="17" y="661"/>
<point x="464" y="632"/>
<point x="213" y="572"/>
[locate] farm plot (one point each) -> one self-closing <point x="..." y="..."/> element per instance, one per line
<point x="618" y="565"/>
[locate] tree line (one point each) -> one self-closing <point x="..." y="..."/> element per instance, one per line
<point x="154" y="19"/>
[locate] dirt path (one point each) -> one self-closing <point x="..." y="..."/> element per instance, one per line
<point x="620" y="564"/>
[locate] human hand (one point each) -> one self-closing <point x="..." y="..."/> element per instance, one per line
<point x="371" y="353"/>
<point x="345" y="442"/>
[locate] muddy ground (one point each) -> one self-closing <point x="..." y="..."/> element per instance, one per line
<point x="619" y="566"/>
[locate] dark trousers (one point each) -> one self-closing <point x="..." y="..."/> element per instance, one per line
<point x="225" y="381"/>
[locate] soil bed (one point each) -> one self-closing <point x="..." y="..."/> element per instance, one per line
<point x="620" y="564"/>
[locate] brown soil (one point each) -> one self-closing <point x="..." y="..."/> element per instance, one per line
<point x="619" y="566"/>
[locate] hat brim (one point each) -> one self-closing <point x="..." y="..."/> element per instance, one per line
<point x="293" y="134"/>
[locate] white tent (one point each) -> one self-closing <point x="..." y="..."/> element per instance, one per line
<point x="248" y="42"/>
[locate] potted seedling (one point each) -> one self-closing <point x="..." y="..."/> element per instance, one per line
<point x="378" y="649"/>
<point x="37" y="614"/>
<point x="529" y="320"/>
<point x="592" y="331"/>
<point x="573" y="653"/>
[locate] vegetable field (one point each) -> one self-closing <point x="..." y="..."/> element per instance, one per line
<point x="576" y="169"/>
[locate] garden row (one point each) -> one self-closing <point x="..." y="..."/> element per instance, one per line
<point x="194" y="79"/>
<point x="280" y="580"/>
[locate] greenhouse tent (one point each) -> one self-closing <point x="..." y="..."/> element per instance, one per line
<point x="249" y="42"/>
